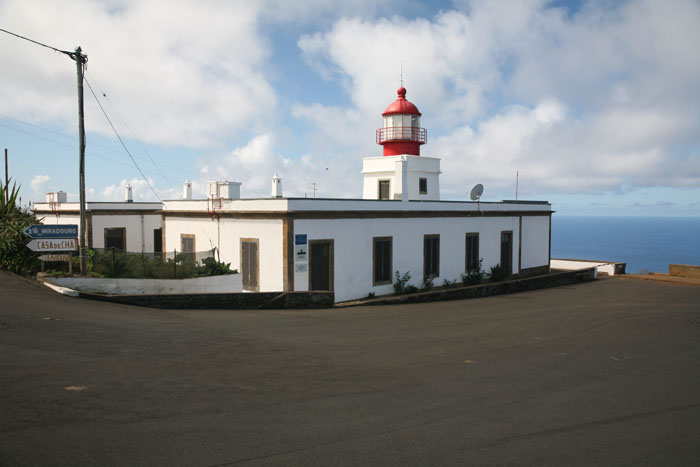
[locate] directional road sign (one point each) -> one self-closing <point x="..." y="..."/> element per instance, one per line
<point x="53" y="244"/>
<point x="52" y="231"/>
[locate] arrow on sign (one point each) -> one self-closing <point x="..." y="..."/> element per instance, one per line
<point x="53" y="244"/>
<point x="52" y="231"/>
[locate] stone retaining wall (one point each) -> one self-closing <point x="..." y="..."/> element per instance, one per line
<point x="684" y="270"/>
<point x="489" y="289"/>
<point x="224" y="301"/>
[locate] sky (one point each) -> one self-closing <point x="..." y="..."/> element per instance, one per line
<point x="591" y="105"/>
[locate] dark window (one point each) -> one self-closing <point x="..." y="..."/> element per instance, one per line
<point x="507" y="251"/>
<point x="472" y="252"/>
<point x="431" y="256"/>
<point x="382" y="260"/>
<point x="423" y="186"/>
<point x="383" y="189"/>
<point x="249" y="263"/>
<point x="157" y="240"/>
<point x="116" y="238"/>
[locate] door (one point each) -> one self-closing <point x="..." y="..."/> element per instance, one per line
<point x="157" y="240"/>
<point x="321" y="265"/>
<point x="507" y="251"/>
<point x="249" y="264"/>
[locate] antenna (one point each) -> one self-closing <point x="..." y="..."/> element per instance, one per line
<point x="476" y="193"/>
<point x="401" y="76"/>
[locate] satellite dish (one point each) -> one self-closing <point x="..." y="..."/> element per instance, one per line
<point x="476" y="192"/>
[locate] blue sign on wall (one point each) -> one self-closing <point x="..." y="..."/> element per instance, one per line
<point x="300" y="239"/>
<point x="52" y="231"/>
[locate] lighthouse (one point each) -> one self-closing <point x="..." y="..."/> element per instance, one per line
<point x="401" y="133"/>
<point x="401" y="173"/>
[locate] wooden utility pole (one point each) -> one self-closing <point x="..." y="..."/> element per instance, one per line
<point x="80" y="61"/>
<point x="7" y="180"/>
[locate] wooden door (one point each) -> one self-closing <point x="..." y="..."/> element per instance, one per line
<point x="250" y="264"/>
<point x="321" y="265"/>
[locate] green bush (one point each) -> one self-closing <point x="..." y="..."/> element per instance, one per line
<point x="427" y="284"/>
<point x="499" y="273"/>
<point x="400" y="283"/>
<point x="14" y="255"/>
<point x="474" y="275"/>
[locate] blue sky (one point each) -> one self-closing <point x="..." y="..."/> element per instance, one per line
<point x="595" y="104"/>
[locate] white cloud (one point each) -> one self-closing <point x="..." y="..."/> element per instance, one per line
<point x="177" y="74"/>
<point x="255" y="164"/>
<point x="598" y="100"/>
<point x="140" y="190"/>
<point x="40" y="184"/>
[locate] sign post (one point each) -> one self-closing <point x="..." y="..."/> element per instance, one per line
<point x="53" y="238"/>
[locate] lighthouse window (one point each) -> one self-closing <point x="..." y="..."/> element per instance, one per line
<point x="383" y="189"/>
<point x="431" y="256"/>
<point x="381" y="253"/>
<point x="423" y="186"/>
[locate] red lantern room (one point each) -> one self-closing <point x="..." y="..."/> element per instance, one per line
<point x="401" y="133"/>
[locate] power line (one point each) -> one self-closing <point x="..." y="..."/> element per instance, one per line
<point x="130" y="131"/>
<point x="121" y="141"/>
<point x="58" y="143"/>
<point x="70" y="54"/>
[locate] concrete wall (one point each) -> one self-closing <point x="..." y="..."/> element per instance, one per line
<point x="139" y="230"/>
<point x="535" y="250"/>
<point x="389" y="168"/>
<point x="684" y="270"/>
<point x="217" y="284"/>
<point x="226" y="235"/>
<point x="610" y="268"/>
<point x="353" y="247"/>
<point x="134" y="222"/>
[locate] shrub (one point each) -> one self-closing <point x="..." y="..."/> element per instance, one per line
<point x="427" y="283"/>
<point x="474" y="275"/>
<point x="14" y="255"/>
<point x="400" y="283"/>
<point x="499" y="273"/>
<point x="448" y="284"/>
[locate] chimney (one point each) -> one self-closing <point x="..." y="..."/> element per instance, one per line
<point x="224" y="190"/>
<point x="128" y="195"/>
<point x="276" y="186"/>
<point x="187" y="190"/>
<point x="57" y="197"/>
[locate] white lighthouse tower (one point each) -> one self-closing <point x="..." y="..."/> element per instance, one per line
<point x="401" y="173"/>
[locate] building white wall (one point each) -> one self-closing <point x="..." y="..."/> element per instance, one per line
<point x="353" y="248"/>
<point x="226" y="234"/>
<point x="389" y="168"/>
<point x="535" y="241"/>
<point x="131" y="221"/>
<point x="139" y="230"/>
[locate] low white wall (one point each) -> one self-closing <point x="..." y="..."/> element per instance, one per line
<point x="229" y="283"/>
<point x="575" y="265"/>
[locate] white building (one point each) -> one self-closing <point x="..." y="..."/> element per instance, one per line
<point x="354" y="247"/>
<point x="127" y="226"/>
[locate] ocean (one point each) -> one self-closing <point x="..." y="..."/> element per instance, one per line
<point x="646" y="244"/>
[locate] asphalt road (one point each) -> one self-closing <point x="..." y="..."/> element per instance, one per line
<point x="604" y="373"/>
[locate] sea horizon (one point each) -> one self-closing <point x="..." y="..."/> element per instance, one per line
<point x="645" y="243"/>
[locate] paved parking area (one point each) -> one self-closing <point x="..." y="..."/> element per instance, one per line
<point x="602" y="373"/>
